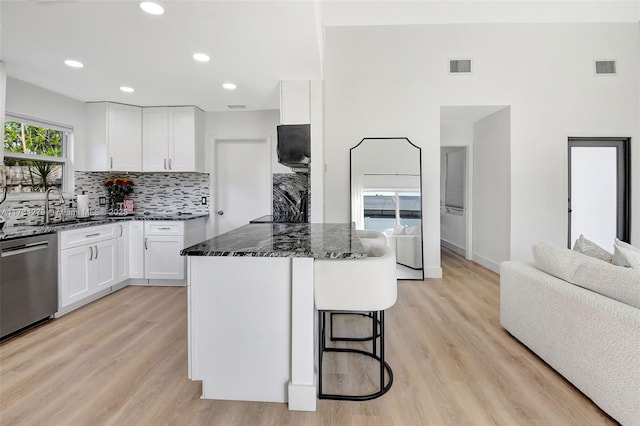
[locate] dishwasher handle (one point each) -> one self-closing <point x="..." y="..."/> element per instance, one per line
<point x="24" y="248"/>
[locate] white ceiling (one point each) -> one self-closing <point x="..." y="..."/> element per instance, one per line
<point x="254" y="44"/>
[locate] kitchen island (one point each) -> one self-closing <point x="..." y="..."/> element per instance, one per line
<point x="251" y="310"/>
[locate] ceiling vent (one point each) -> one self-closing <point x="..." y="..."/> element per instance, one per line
<point x="237" y="106"/>
<point x="605" y="67"/>
<point x="459" y="66"/>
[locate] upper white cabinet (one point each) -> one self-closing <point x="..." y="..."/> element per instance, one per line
<point x="173" y="139"/>
<point x="295" y="102"/>
<point x="114" y="137"/>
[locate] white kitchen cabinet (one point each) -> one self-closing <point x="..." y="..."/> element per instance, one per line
<point x="122" y="232"/>
<point x="114" y="137"/>
<point x="163" y="242"/>
<point x="88" y="262"/>
<point x="173" y="139"/>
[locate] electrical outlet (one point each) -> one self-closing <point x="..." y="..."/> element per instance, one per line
<point x="102" y="201"/>
<point x="204" y="201"/>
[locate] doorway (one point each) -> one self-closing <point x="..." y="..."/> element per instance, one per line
<point x="241" y="182"/>
<point x="599" y="192"/>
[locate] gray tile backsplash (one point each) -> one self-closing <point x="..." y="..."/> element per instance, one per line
<point x="152" y="192"/>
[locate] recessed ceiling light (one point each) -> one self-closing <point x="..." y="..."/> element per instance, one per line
<point x="73" y="63"/>
<point x="151" y="8"/>
<point x="201" y="57"/>
<point x="127" y="89"/>
<point x="229" y="86"/>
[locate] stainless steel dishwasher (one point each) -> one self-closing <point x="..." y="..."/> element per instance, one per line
<point x="28" y="281"/>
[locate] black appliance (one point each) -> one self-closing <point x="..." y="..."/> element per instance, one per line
<point x="294" y="146"/>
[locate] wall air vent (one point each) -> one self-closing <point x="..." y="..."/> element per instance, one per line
<point x="604" y="67"/>
<point x="237" y="106"/>
<point x="459" y="66"/>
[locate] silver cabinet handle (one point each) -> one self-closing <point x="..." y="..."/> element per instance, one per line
<point x="220" y="212"/>
<point x="169" y="163"/>
<point x="111" y="162"/>
<point x="121" y="231"/>
<point x="91" y="255"/>
<point x="145" y="244"/>
<point x="166" y="228"/>
<point x="165" y="164"/>
<point x="92" y="235"/>
<point x="96" y="251"/>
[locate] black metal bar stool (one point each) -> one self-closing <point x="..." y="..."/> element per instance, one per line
<point x="359" y="286"/>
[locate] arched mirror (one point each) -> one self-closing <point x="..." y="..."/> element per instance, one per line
<point x="386" y="196"/>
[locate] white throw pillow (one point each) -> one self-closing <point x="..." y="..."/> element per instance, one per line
<point x="626" y="255"/>
<point x="591" y="249"/>
<point x="399" y="230"/>
<point x="412" y="230"/>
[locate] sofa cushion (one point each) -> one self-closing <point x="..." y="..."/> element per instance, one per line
<point x="621" y="284"/>
<point x="588" y="247"/>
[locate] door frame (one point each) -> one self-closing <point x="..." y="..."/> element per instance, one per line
<point x="623" y="171"/>
<point x="213" y="177"/>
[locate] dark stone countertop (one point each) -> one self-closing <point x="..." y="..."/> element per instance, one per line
<point x="12" y="232"/>
<point x="316" y="240"/>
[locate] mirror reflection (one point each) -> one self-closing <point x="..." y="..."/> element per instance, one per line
<point x="386" y="196"/>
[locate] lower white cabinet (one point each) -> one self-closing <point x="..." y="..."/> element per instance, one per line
<point x="88" y="262"/>
<point x="136" y="249"/>
<point x="162" y="244"/>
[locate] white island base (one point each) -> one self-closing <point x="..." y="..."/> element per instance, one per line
<point x="251" y="329"/>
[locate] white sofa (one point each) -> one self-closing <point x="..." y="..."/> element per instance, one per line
<point x="408" y="247"/>
<point x="582" y="317"/>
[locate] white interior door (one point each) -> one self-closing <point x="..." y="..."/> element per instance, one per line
<point x="242" y="182"/>
<point x="594" y="194"/>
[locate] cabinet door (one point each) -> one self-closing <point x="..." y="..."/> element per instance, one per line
<point x="155" y="139"/>
<point x="162" y="258"/>
<point x="104" y="265"/>
<point x="75" y="274"/>
<point x="125" y="137"/>
<point x="122" y="232"/>
<point x="136" y="249"/>
<point x="182" y="139"/>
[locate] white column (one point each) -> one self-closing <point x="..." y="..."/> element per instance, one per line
<point x="302" y="387"/>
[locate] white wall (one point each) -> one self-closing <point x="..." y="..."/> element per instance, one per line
<point x="391" y="81"/>
<point x="247" y="125"/>
<point x="491" y="190"/>
<point x="35" y="102"/>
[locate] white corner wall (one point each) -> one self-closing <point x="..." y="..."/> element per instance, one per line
<point x="392" y="80"/>
<point x="491" y="190"/>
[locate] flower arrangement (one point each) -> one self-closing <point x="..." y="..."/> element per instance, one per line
<point x="118" y="188"/>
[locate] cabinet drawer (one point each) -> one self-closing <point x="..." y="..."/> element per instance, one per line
<point x="163" y="228"/>
<point x="90" y="235"/>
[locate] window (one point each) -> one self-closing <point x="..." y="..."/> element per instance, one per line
<point x="34" y="154"/>
<point x="386" y="209"/>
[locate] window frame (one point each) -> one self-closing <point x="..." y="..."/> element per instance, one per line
<point x="64" y="159"/>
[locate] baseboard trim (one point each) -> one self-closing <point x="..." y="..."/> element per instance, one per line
<point x="433" y="272"/>
<point x="454" y="247"/>
<point x="487" y="263"/>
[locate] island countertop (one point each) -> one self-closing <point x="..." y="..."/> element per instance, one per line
<point x="315" y="240"/>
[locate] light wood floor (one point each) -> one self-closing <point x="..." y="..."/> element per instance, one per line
<point x="123" y="361"/>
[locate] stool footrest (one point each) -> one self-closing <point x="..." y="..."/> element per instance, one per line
<point x="377" y="321"/>
<point x="369" y="315"/>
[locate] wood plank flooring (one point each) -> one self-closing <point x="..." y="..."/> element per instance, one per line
<point x="123" y="361"/>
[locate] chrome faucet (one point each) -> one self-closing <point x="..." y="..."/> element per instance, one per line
<point x="47" y="220"/>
